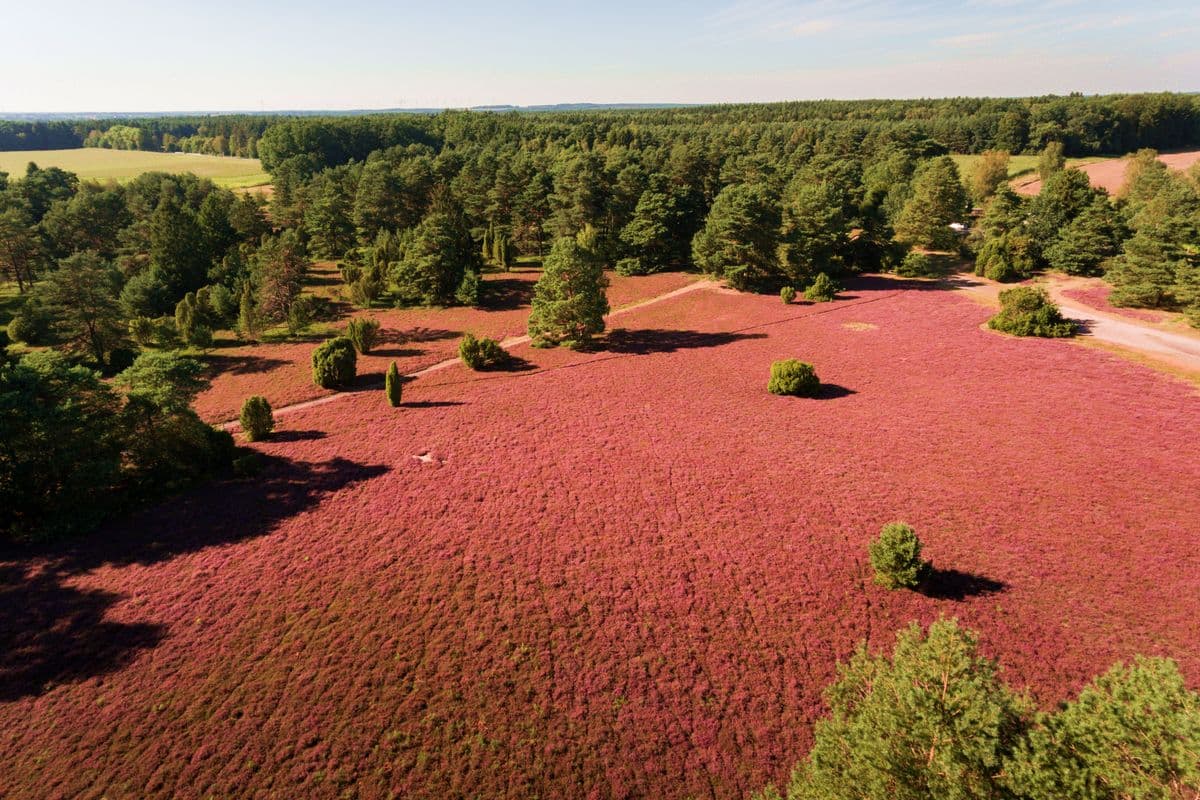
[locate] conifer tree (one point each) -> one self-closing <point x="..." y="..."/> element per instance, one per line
<point x="569" y="301"/>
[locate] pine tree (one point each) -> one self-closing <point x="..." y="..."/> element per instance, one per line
<point x="739" y="240"/>
<point x="569" y="301"/>
<point x="247" y="324"/>
<point x="1087" y="242"/>
<point x="440" y="255"/>
<point x="814" y="234"/>
<point x="938" y="199"/>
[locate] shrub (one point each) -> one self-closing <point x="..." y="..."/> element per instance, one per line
<point x="896" y="557"/>
<point x="247" y="465"/>
<point x="1028" y="311"/>
<point x="631" y="266"/>
<point x="915" y="265"/>
<point x="142" y="330"/>
<point x="787" y="294"/>
<point x="822" y="290"/>
<point x="393" y="385"/>
<point x="469" y="289"/>
<point x="792" y="377"/>
<point x="363" y="334"/>
<point x="480" y="353"/>
<point x="32" y="324"/>
<point x="256" y="418"/>
<point x="334" y="363"/>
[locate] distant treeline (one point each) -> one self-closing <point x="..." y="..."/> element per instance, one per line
<point x="1111" y="124"/>
<point x="231" y="135"/>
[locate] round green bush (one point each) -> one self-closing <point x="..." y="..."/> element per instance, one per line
<point x="896" y="557"/>
<point x="787" y="294"/>
<point x="31" y="325"/>
<point x="363" y="333"/>
<point x="1029" y="311"/>
<point x="822" y="290"/>
<point x="915" y="265"/>
<point x="334" y="363"/>
<point x="795" y="378"/>
<point x="479" y="353"/>
<point x="256" y="418"/>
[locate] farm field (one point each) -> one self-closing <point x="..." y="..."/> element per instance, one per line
<point x="1109" y="174"/>
<point x="94" y="163"/>
<point x="1018" y="165"/>
<point x="626" y="573"/>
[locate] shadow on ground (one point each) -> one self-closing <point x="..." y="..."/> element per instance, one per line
<point x="54" y="632"/>
<point x="953" y="584"/>
<point x="506" y="294"/>
<point x="644" y="342"/>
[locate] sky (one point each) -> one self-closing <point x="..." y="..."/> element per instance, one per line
<point x="257" y="55"/>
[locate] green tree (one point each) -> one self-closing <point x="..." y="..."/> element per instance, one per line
<point x="1064" y="196"/>
<point x="278" y="267"/>
<point x="934" y="720"/>
<point x="990" y="171"/>
<point x="1051" y="160"/>
<point x="21" y="252"/>
<point x="393" y="385"/>
<point x="1091" y="239"/>
<point x="652" y="234"/>
<point x="569" y="300"/>
<point x="1133" y="734"/>
<point x="168" y="382"/>
<point x="814" y="233"/>
<point x="247" y="321"/>
<point x="60" y="446"/>
<point x="938" y="199"/>
<point x="82" y="297"/>
<point x="739" y="240"/>
<point x="438" y="258"/>
<point x="327" y="215"/>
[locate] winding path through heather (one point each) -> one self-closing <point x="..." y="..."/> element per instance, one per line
<point x="507" y="344"/>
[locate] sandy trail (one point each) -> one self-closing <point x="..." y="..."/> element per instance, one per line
<point x="1180" y="351"/>
<point x="507" y="344"/>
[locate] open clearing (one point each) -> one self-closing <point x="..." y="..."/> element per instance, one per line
<point x="94" y="163"/>
<point x="1019" y="166"/>
<point x="1109" y="174"/>
<point x="624" y="573"/>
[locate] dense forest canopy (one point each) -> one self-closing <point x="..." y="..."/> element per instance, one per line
<point x="1109" y="124"/>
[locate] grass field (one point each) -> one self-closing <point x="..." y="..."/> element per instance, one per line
<point x="1018" y="166"/>
<point x="93" y="163"/>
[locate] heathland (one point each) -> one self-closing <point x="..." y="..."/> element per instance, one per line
<point x="563" y="455"/>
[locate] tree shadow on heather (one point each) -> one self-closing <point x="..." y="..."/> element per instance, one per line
<point x="647" y="341"/>
<point x="832" y="391"/>
<point x="295" y="436"/>
<point x="953" y="584"/>
<point x="505" y="294"/>
<point x="242" y="365"/>
<point x="52" y="632"/>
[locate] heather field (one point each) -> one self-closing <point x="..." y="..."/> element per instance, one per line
<point x="625" y="573"/>
<point x="414" y="338"/>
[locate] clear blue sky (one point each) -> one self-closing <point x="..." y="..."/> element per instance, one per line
<point x="341" y="54"/>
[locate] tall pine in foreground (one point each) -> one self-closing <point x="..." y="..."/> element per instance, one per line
<point x="569" y="302"/>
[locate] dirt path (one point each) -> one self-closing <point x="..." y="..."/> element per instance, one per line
<point x="1178" y="351"/>
<point x="509" y="343"/>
